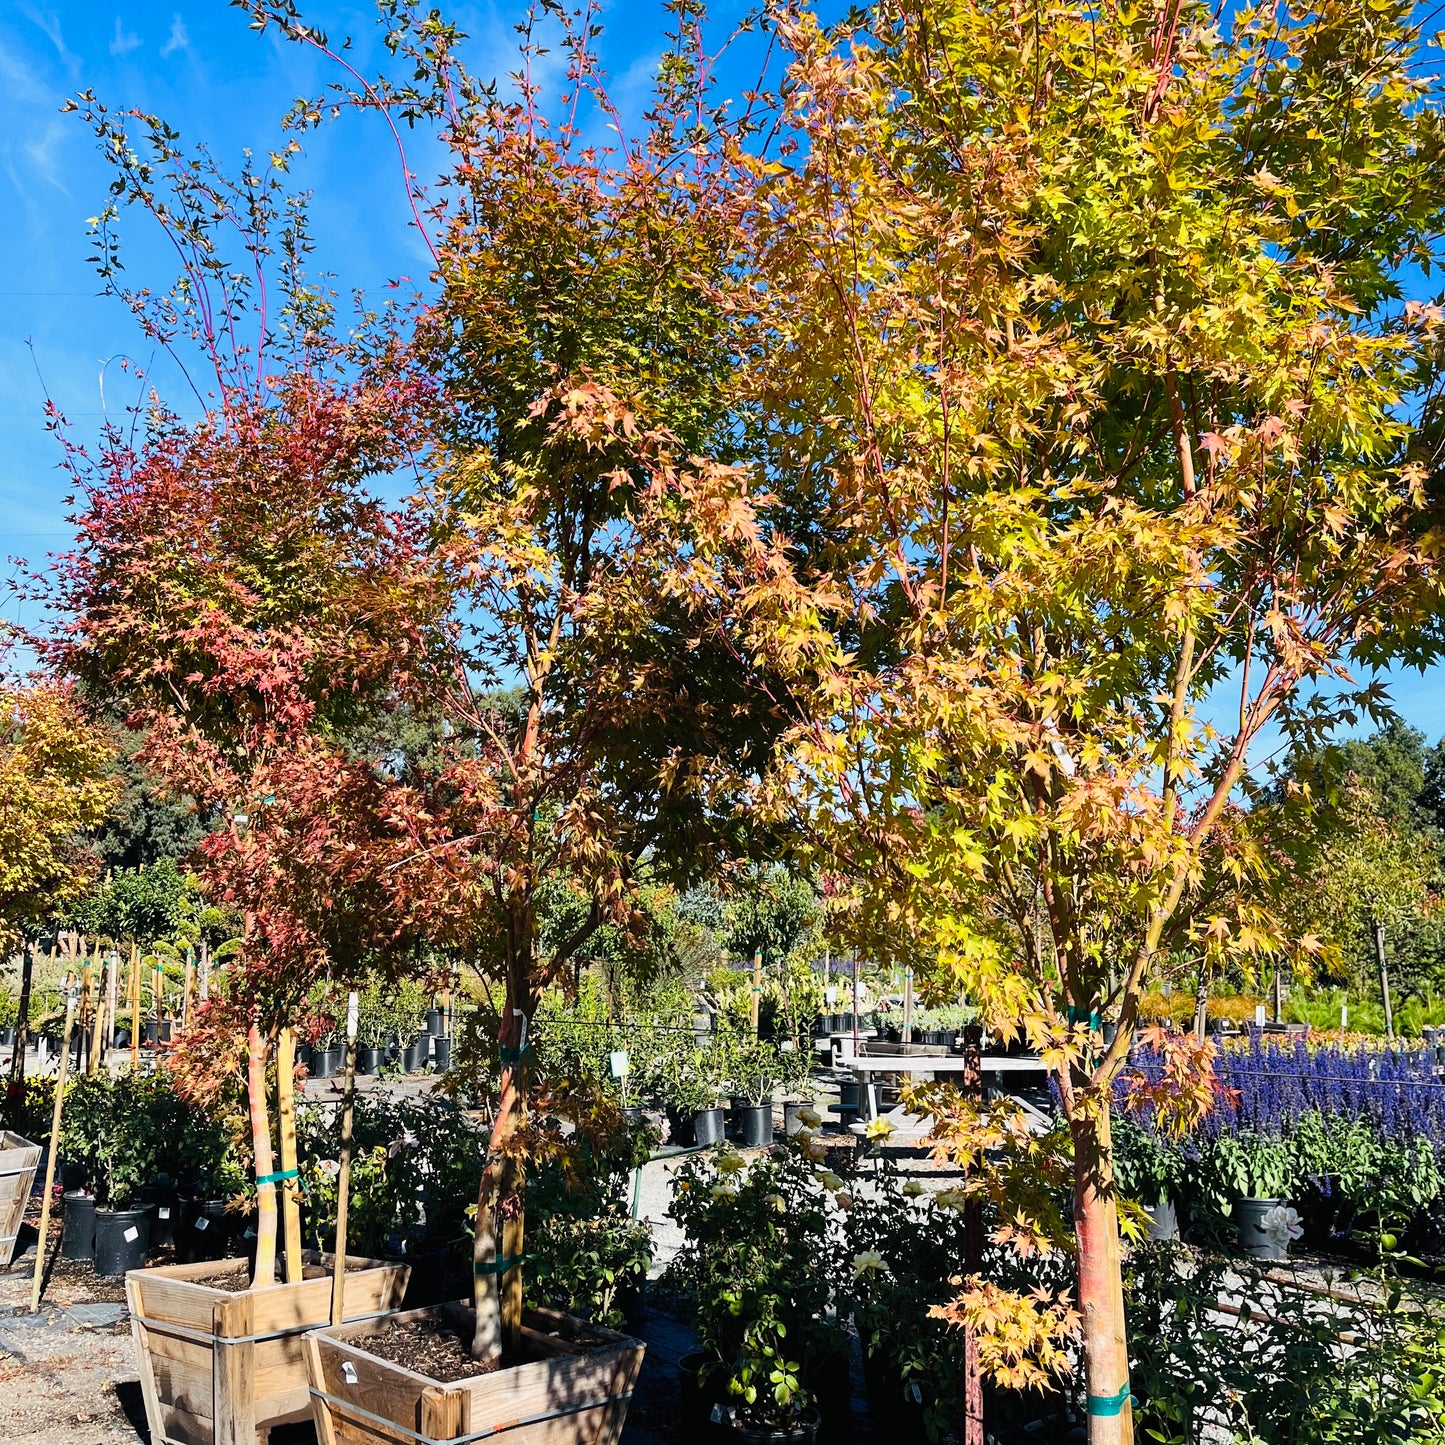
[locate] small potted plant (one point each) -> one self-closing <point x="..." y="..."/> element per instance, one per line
<point x="754" y="1070"/>
<point x="689" y="1086"/>
<point x="373" y="1028"/>
<point x="1148" y="1167"/>
<point x="1257" y="1169"/>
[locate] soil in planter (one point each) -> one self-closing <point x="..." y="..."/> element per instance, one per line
<point x="238" y="1279"/>
<point x="436" y="1349"/>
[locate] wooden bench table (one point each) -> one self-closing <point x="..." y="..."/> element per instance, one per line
<point x="991" y="1067"/>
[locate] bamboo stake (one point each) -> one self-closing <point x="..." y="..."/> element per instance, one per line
<point x="343" y="1178"/>
<point x="112" y="977"/>
<point x="54" y="1147"/>
<point x="132" y="994"/>
<point x="286" y="1118"/>
<point x="87" y="1020"/>
<point x="186" y="995"/>
<point x="205" y="970"/>
<point x="757" y="986"/>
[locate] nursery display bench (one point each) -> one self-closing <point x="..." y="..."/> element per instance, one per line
<point x="574" y="1389"/>
<point x="18" y="1160"/>
<point x="221" y="1367"/>
<point x="995" y="1069"/>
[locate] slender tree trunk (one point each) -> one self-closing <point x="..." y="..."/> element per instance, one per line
<point x="286" y="1120"/>
<point x="1101" y="1290"/>
<point x="265" y="1272"/>
<point x="501" y="1194"/>
<point x="22" y="1022"/>
<point x="1384" y="979"/>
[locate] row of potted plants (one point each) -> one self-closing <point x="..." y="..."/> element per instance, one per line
<point x="1339" y="1143"/>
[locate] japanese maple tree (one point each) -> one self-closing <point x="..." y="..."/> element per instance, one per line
<point x="1094" y="327"/>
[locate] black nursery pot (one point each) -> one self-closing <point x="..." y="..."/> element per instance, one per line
<point x="165" y="1206"/>
<point x="754" y="1127"/>
<point x="167" y="1029"/>
<point x="791" y="1122"/>
<point x="203" y="1230"/>
<point x="436" y="1022"/>
<point x="7" y="1037"/>
<point x="369" y="1061"/>
<point x="153" y="1031"/>
<point x="122" y="1239"/>
<point x="414" y="1055"/>
<point x="77" y="1229"/>
<point x="120" y="1039"/>
<point x="709" y="1126"/>
<point x="441" y="1052"/>
<point x="325" y="1063"/>
<point x="698" y="1395"/>
<point x="804" y="1432"/>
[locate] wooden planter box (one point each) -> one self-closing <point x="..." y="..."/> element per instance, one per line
<point x="219" y="1367"/>
<point x="18" y="1158"/>
<point x="569" y="1395"/>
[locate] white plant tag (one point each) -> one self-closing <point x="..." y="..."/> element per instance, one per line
<point x="132" y="1234"/>
<point x="619" y="1063"/>
<point x="348" y="1372"/>
<point x="202" y="1223"/>
<point x="164" y="1212"/>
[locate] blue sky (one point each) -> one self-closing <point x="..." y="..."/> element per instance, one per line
<point x="198" y="65"/>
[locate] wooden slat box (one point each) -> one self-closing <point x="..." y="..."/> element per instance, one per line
<point x="18" y="1159"/>
<point x="569" y="1394"/>
<point x="220" y="1367"/>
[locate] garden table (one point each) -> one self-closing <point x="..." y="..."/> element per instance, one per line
<point x="992" y="1067"/>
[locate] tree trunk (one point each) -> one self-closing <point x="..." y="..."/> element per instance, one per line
<point x="286" y="1120"/>
<point x="265" y="1272"/>
<point x="1384" y="980"/>
<point x="1101" y="1290"/>
<point x="22" y="1021"/>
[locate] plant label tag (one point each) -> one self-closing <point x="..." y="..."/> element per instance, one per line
<point x="132" y="1234"/>
<point x="202" y="1223"/>
<point x="830" y="994"/>
<point x="348" y="1372"/>
<point x="788" y="1046"/>
<point x="619" y="1063"/>
<point x="1259" y="1016"/>
<point x="164" y="1212"/>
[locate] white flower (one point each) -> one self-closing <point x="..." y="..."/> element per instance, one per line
<point x="726" y="1189"/>
<point x="1281" y="1224"/>
<point x="329" y="1167"/>
<point x="870" y="1259"/>
<point x="777" y="1201"/>
<point x="811" y="1117"/>
<point x="913" y="1189"/>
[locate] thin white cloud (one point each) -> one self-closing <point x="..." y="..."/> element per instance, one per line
<point x="178" y="40"/>
<point x="125" y="41"/>
<point x="49" y="22"/>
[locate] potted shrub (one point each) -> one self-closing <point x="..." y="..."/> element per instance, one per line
<point x="1148" y="1167"/>
<point x="1257" y="1170"/>
<point x="756" y="1239"/>
<point x="373" y="1029"/>
<point x="754" y="1070"/>
<point x="689" y="1085"/>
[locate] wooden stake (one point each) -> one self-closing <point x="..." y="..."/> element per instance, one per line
<point x="54" y="1147"/>
<point x="343" y="1179"/>
<point x="22" y="1022"/>
<point x="205" y="970"/>
<point x="757" y="986"/>
<point x="907" y="1005"/>
<point x="286" y="1119"/>
<point x="112" y="979"/>
<point x="186" y="994"/>
<point x="132" y="993"/>
<point x="97" y="1016"/>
